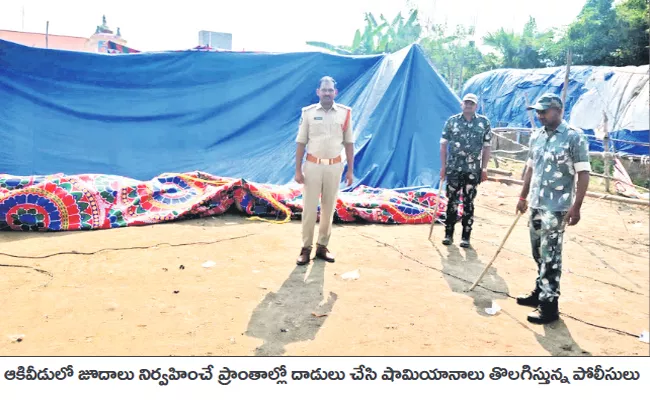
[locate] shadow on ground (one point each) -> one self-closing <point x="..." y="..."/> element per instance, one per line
<point x="556" y="340"/>
<point x="461" y="271"/>
<point x="287" y="316"/>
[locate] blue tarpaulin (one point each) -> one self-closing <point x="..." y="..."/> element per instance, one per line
<point x="228" y="114"/>
<point x="619" y="92"/>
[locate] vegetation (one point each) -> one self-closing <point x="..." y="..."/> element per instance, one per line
<point x="601" y="34"/>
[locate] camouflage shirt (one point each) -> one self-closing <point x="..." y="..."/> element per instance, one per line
<point x="466" y="140"/>
<point x="556" y="158"/>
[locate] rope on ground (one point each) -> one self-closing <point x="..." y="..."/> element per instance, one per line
<point x="489" y="222"/>
<point x="42" y="271"/>
<point x="74" y="252"/>
<point x="621" y="332"/>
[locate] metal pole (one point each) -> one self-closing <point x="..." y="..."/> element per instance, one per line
<point x="47" y="33"/>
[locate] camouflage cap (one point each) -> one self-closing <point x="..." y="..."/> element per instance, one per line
<point x="546" y="101"/>
<point x="471" y="97"/>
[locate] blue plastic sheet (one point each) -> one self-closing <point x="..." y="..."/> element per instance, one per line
<point x="620" y="92"/>
<point x="228" y="114"/>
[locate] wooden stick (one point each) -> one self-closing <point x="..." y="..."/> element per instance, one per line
<point x="601" y="196"/>
<point x="619" y="180"/>
<point x="606" y="148"/>
<point x="435" y="213"/>
<point x="533" y="126"/>
<point x="503" y="242"/>
<point x="530" y="113"/>
<point x="499" y="171"/>
<point x="565" y="89"/>
<point x="512" y="160"/>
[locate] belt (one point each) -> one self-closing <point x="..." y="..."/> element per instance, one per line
<point x="326" y="161"/>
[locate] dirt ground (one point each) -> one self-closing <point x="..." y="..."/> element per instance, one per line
<point x="144" y="291"/>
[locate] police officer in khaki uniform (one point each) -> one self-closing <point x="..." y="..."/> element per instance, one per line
<point x="325" y="130"/>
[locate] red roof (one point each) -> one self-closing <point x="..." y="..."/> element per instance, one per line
<point x="59" y="42"/>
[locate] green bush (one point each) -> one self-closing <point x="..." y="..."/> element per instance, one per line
<point x="598" y="166"/>
<point x="642" y="181"/>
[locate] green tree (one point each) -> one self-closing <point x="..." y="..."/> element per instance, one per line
<point x="592" y="36"/>
<point x="633" y="32"/>
<point x="519" y="50"/>
<point x="380" y="37"/>
<point x="507" y="44"/>
<point x="455" y="55"/>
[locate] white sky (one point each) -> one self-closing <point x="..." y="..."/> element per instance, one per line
<point x="265" y="25"/>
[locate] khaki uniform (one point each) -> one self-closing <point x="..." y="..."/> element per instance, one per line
<point x="324" y="133"/>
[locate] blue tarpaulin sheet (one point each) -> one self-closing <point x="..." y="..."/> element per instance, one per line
<point x="228" y="114"/>
<point x="619" y="92"/>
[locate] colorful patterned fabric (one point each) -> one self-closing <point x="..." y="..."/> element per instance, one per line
<point x="83" y="202"/>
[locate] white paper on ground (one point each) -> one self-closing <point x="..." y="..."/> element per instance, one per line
<point x="352" y="275"/>
<point x="494" y="309"/>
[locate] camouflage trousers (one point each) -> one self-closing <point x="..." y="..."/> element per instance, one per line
<point x="464" y="184"/>
<point x="546" y="234"/>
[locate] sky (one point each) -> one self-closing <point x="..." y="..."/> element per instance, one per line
<point x="265" y="25"/>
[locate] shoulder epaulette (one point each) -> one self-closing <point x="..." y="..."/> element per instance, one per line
<point x="310" y="107"/>
<point x="343" y="106"/>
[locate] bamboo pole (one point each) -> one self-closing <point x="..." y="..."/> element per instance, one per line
<point x="565" y="89"/>
<point x="601" y="196"/>
<point x="435" y="213"/>
<point x="530" y="113"/>
<point x="607" y="154"/>
<point x="499" y="171"/>
<point x="533" y="126"/>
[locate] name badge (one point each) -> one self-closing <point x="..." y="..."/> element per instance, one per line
<point x="318" y="118"/>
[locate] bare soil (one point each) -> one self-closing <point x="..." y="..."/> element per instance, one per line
<point x="143" y="290"/>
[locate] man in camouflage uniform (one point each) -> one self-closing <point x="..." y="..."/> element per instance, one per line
<point x="467" y="135"/>
<point x="557" y="154"/>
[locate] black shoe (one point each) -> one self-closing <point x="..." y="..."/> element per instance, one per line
<point x="530" y="300"/>
<point x="448" y="240"/>
<point x="464" y="243"/>
<point x="546" y="312"/>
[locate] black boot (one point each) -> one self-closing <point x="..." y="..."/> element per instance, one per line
<point x="545" y="313"/>
<point x="464" y="241"/>
<point x="530" y="300"/>
<point x="449" y="237"/>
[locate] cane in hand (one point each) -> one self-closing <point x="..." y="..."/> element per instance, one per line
<point x="435" y="213"/>
<point x="503" y="242"/>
